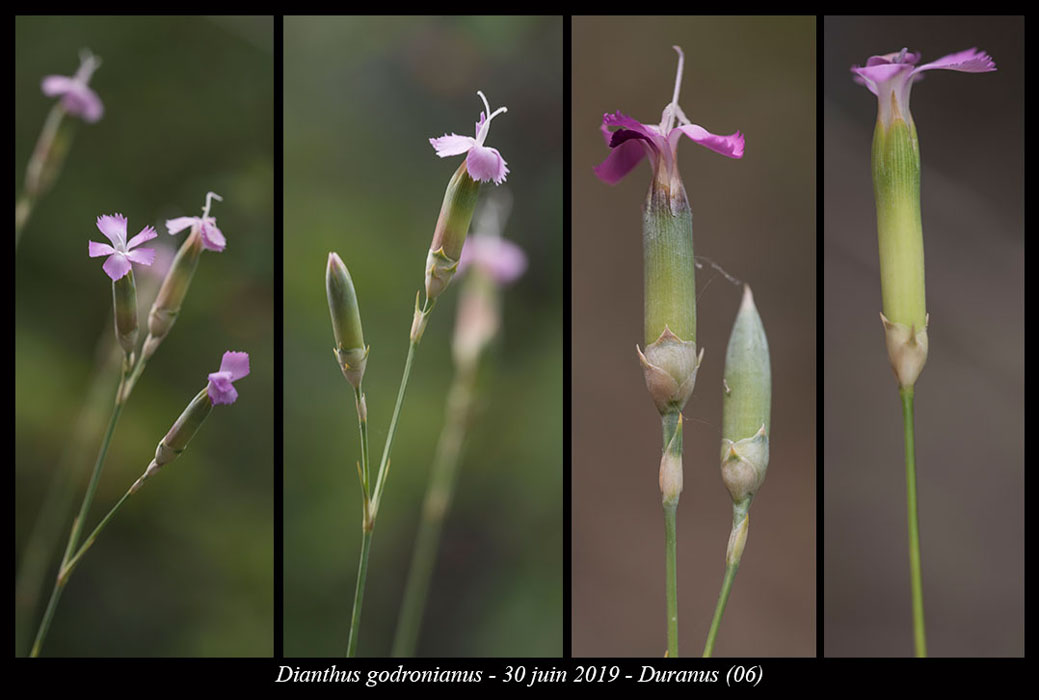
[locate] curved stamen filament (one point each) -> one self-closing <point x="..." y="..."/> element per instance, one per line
<point x="210" y="196"/>
<point x="88" y="63"/>
<point x="490" y="115"/>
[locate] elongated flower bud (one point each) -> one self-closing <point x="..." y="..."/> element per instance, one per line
<point x="166" y="306"/>
<point x="176" y="440"/>
<point x="452" y="226"/>
<point x="124" y="302"/>
<point x="350" y="350"/>
<point x="747" y="405"/>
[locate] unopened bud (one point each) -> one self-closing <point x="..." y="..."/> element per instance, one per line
<point x="185" y="427"/>
<point x="350" y="350"/>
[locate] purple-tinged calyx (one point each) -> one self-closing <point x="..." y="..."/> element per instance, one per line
<point x="212" y="238"/>
<point x="891" y="76"/>
<point x="632" y="141"/>
<point x="76" y="97"/>
<point x="233" y="367"/>
<point x="121" y="253"/>
<point x="484" y="164"/>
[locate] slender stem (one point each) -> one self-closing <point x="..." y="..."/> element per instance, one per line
<point x="670" y="516"/>
<point x="77" y="525"/>
<point x="919" y="634"/>
<point x="362" y="577"/>
<point x="362" y="427"/>
<point x="723" y="598"/>
<point x="437" y="503"/>
<point x="89" y="542"/>
<point x="34" y="181"/>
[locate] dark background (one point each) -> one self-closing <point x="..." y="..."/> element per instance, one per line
<point x="755" y="218"/>
<point x="969" y="398"/>
<point x="186" y="569"/>
<point x="363" y="96"/>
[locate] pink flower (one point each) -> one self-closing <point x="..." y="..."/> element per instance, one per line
<point x="891" y="76"/>
<point x="121" y="253"/>
<point x="483" y="163"/>
<point x="76" y="97"/>
<point x="233" y="367"/>
<point x="501" y="259"/>
<point x="633" y="141"/>
<point x="212" y="238"/>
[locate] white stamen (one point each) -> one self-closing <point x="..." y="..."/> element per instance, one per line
<point x="901" y="55"/>
<point x="210" y="196"/>
<point x="88" y="63"/>
<point x="480" y="137"/>
<point x="671" y="110"/>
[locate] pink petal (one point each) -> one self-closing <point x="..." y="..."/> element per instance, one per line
<point x="83" y="102"/>
<point x="54" y="85"/>
<point x="142" y="256"/>
<point x="116" y="266"/>
<point x="114" y="228"/>
<point x="731" y="145"/>
<point x="625" y="122"/>
<point x="910" y="57"/>
<point x="969" y="61"/>
<point x="502" y="259"/>
<point x="220" y="389"/>
<point x="147" y="233"/>
<point x="212" y="238"/>
<point x="452" y="144"/>
<point x="486" y="164"/>
<point x="96" y="250"/>
<point x="236" y="364"/>
<point x="175" y="226"/>
<point x="873" y="76"/>
<point x="620" y="162"/>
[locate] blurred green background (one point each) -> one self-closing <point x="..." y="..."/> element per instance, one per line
<point x="186" y="568"/>
<point x="363" y="96"/>
<point x="755" y="217"/>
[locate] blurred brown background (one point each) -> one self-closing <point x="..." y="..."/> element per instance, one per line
<point x="754" y="217"/>
<point x="969" y="399"/>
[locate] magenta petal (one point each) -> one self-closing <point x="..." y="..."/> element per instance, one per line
<point x="626" y="122"/>
<point x="114" y="228"/>
<point x="96" y="250"/>
<point x="54" y="85"/>
<point x="83" y="102"/>
<point x="116" y="266"/>
<point x="452" y="145"/>
<point x="147" y="233"/>
<point x="731" y="145"/>
<point x="236" y="364"/>
<point x="873" y="76"/>
<point x="212" y="238"/>
<point x="220" y="389"/>
<point x="910" y="57"/>
<point x="142" y="256"/>
<point x="620" y="162"/>
<point x="486" y="164"/>
<point x="175" y="226"/>
<point x="969" y="61"/>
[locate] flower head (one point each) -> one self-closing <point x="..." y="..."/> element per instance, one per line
<point x="233" y="367"/>
<point x="121" y="253"/>
<point x="633" y="141"/>
<point x="76" y="97"/>
<point x="483" y="163"/>
<point x="212" y="238"/>
<point x="891" y="76"/>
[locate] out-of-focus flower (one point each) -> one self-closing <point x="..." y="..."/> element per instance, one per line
<point x="76" y="97"/>
<point x="501" y="259"/>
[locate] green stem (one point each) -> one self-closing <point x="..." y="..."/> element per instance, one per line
<point x="34" y="172"/>
<point x="919" y="634"/>
<point x="89" y="542"/>
<point x="362" y="577"/>
<point x="437" y="503"/>
<point x="670" y="516"/>
<point x="723" y="598"/>
<point x="77" y="525"/>
<point x="670" y="424"/>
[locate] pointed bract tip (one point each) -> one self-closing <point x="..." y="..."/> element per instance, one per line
<point x="748" y="298"/>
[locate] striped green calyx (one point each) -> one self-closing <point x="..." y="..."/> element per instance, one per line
<point x="176" y="440"/>
<point x="350" y="350"/>
<point x="896" y="187"/>
<point x="746" y="417"/>
<point x="168" y="301"/>
<point x="670" y="360"/>
<point x="124" y="304"/>
<point x="456" y="213"/>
